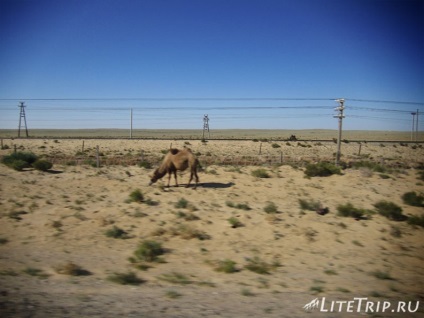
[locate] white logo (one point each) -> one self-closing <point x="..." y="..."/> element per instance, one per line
<point x="314" y="304"/>
<point x="363" y="305"/>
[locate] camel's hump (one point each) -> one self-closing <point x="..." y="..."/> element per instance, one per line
<point x="174" y="151"/>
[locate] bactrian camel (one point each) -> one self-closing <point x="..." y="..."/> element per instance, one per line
<point x="177" y="160"/>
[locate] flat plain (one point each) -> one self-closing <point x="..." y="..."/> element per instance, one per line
<point x="87" y="241"/>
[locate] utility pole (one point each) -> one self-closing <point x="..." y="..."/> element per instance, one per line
<point x="131" y="124"/>
<point x="413" y="126"/>
<point x="340" y="116"/>
<point x="22" y="115"/>
<point x="416" y="127"/>
<point x="205" y="126"/>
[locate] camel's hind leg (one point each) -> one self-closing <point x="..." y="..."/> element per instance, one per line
<point x="193" y="172"/>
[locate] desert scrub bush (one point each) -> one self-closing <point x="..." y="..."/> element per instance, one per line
<point x="270" y="208"/>
<point x="413" y="199"/>
<point x="175" y="278"/>
<point x="416" y="220"/>
<point x="181" y="204"/>
<point x="234" y="222"/>
<point x="381" y="275"/>
<point x="373" y="166"/>
<point x="145" y="164"/>
<point x="19" y="160"/>
<point x="240" y="206"/>
<point x="275" y="145"/>
<point x="71" y="269"/>
<point x="116" y="232"/>
<point x="258" y="266"/>
<point x="225" y="266"/>
<point x="3" y="240"/>
<point x="310" y="205"/>
<point x="129" y="278"/>
<point x="42" y="165"/>
<point x="260" y="173"/>
<point x="348" y="210"/>
<point x="149" y="251"/>
<point x="321" y="169"/>
<point x="187" y="232"/>
<point x="35" y="272"/>
<point x="390" y="210"/>
<point x="136" y="196"/>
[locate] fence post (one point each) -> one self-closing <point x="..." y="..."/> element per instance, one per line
<point x="260" y="148"/>
<point x="281" y="157"/>
<point x="360" y="147"/>
<point x="82" y="146"/>
<point x="97" y="157"/>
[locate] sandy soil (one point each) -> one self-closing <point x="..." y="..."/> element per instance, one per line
<point x="49" y="220"/>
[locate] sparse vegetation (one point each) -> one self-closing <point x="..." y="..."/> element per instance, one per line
<point x="258" y="266"/>
<point x="310" y="205"/>
<point x="42" y="165"/>
<point x="129" y="278"/>
<point x="416" y="220"/>
<point x="390" y="210"/>
<point x="260" y="173"/>
<point x="413" y="199"/>
<point x="116" y="232"/>
<point x="19" y="160"/>
<point x="71" y="269"/>
<point x="149" y="251"/>
<point x="136" y="196"/>
<point x="235" y="222"/>
<point x="322" y="169"/>
<point x="226" y="266"/>
<point x="270" y="208"/>
<point x="348" y="210"/>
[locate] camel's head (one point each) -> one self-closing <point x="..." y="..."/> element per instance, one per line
<point x="155" y="177"/>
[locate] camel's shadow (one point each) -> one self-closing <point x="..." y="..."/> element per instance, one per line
<point x="216" y="185"/>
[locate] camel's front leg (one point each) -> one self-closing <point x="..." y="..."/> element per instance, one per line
<point x="169" y="178"/>
<point x="175" y="176"/>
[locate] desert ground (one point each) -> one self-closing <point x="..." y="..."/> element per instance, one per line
<point x="240" y="245"/>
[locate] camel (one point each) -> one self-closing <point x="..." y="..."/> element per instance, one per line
<point x="177" y="160"/>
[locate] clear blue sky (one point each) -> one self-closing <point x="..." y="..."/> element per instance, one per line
<point x="124" y="51"/>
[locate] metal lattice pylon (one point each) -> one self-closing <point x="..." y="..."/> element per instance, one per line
<point x="22" y="116"/>
<point x="206" y="126"/>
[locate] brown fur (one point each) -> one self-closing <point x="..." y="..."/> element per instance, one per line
<point x="177" y="160"/>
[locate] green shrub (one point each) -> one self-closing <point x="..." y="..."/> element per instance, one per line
<point x="235" y="223"/>
<point x="149" y="251"/>
<point x="18" y="165"/>
<point x="390" y="210"/>
<point x="145" y="164"/>
<point x="28" y="157"/>
<point x="370" y="165"/>
<point x="270" y="208"/>
<point x="136" y="196"/>
<point x="322" y="169"/>
<point x="181" y="204"/>
<point x="129" y="278"/>
<point x="260" y="173"/>
<point x="310" y="205"/>
<point x="42" y="165"/>
<point x="412" y="198"/>
<point x="117" y="232"/>
<point x="416" y="220"/>
<point x="226" y="266"/>
<point x="348" y="210"/>
<point x="258" y="266"/>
